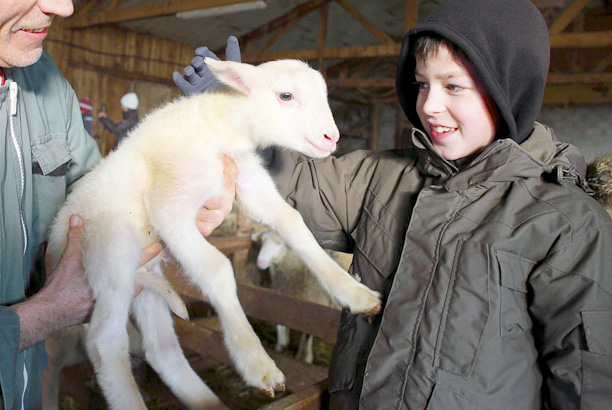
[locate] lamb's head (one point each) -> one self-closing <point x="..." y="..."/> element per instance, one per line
<point x="287" y="104"/>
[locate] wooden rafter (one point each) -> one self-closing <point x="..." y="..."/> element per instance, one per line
<point x="568" y="16"/>
<point x="357" y="15"/>
<point x="292" y="16"/>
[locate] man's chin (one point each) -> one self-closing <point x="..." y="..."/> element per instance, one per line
<point x="21" y="59"/>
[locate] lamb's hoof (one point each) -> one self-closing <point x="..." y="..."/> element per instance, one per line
<point x="372" y="311"/>
<point x="279" y="387"/>
<point x="369" y="303"/>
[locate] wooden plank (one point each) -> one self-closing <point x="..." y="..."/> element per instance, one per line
<point x="357" y="15"/>
<point x="265" y="304"/>
<point x="314" y="397"/>
<point x="200" y="337"/>
<point x="304" y="316"/>
<point x="148" y="10"/>
<point x="567" y="16"/>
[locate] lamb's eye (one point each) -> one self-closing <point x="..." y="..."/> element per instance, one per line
<point x="286" y="96"/>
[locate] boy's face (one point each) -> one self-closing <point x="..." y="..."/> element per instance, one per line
<point x="23" y="27"/>
<point x="452" y="107"/>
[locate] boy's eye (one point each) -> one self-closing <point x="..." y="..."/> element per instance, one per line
<point x="286" y="96"/>
<point x="421" y="85"/>
<point x="452" y="87"/>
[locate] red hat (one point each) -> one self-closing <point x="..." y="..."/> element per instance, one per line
<point x="85" y="105"/>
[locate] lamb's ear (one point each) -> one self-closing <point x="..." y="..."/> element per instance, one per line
<point x="236" y="75"/>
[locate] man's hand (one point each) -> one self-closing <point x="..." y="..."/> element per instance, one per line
<point x="197" y="78"/>
<point x="214" y="211"/>
<point x="66" y="298"/>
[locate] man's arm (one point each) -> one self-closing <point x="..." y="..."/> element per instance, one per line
<point x="65" y="299"/>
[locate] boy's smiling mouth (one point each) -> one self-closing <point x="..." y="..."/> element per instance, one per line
<point x="439" y="132"/>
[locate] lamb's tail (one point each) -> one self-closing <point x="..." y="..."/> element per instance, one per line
<point x="160" y="285"/>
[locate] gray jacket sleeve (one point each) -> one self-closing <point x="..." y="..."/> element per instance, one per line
<point x="327" y="192"/>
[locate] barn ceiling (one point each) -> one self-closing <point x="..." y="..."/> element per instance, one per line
<point x="356" y="42"/>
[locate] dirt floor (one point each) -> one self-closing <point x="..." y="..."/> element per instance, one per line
<point x="222" y="379"/>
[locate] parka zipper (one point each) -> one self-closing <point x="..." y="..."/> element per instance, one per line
<point x="13" y="113"/>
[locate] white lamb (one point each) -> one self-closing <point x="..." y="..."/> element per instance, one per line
<point x="151" y="188"/>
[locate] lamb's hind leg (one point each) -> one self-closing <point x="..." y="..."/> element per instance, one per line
<point x="110" y="254"/>
<point x="260" y="200"/>
<point x="107" y="348"/>
<point x="212" y="272"/>
<point x="164" y="354"/>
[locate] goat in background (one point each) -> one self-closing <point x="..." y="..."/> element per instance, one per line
<point x="290" y="276"/>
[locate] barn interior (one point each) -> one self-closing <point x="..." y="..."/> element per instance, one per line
<point x="111" y="47"/>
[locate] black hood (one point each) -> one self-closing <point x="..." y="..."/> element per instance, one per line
<point x="506" y="41"/>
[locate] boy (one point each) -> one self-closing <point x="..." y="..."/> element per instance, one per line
<point x="494" y="264"/>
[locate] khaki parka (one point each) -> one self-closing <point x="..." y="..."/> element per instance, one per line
<point x="496" y="278"/>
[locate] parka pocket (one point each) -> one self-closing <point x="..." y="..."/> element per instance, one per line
<point x="50" y="156"/>
<point x="467" y="309"/>
<point x="513" y="274"/>
<point x="50" y="162"/>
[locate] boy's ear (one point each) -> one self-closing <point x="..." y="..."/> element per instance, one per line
<point x="238" y="76"/>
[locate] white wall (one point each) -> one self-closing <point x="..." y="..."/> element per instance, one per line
<point x="588" y="127"/>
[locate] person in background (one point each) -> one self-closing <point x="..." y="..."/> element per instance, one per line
<point x="494" y="263"/>
<point x="86" y="107"/>
<point x="45" y="150"/>
<point x="129" y="108"/>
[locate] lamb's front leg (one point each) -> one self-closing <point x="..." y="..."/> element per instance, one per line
<point x="259" y="199"/>
<point x="212" y="272"/>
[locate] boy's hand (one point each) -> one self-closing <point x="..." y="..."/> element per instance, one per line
<point x="214" y="211"/>
<point x="196" y="77"/>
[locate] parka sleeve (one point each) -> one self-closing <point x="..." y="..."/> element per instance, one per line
<point x="327" y="192"/>
<point x="572" y="309"/>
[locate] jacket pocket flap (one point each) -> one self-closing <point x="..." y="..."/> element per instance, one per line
<point x="598" y="331"/>
<point x="49" y="156"/>
<point x="514" y="271"/>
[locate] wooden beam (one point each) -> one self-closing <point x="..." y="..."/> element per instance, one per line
<point x="584" y="39"/>
<point x="85" y="8"/>
<point x="578" y="94"/>
<point x="148" y="10"/>
<point x="383" y="50"/>
<point x="412" y="14"/>
<point x="568" y="16"/>
<point x="582" y="78"/>
<point x="357" y="15"/>
<point x="322" y="37"/>
<point x="350" y="82"/>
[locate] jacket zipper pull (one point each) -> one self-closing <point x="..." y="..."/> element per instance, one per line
<point x="13" y="97"/>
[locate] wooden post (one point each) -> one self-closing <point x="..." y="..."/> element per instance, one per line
<point x="322" y="42"/>
<point x="374" y="120"/>
<point x="412" y="14"/>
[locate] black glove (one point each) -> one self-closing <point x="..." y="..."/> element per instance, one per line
<point x="196" y="77"/>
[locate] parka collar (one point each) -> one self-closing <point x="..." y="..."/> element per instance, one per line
<point x="502" y="161"/>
